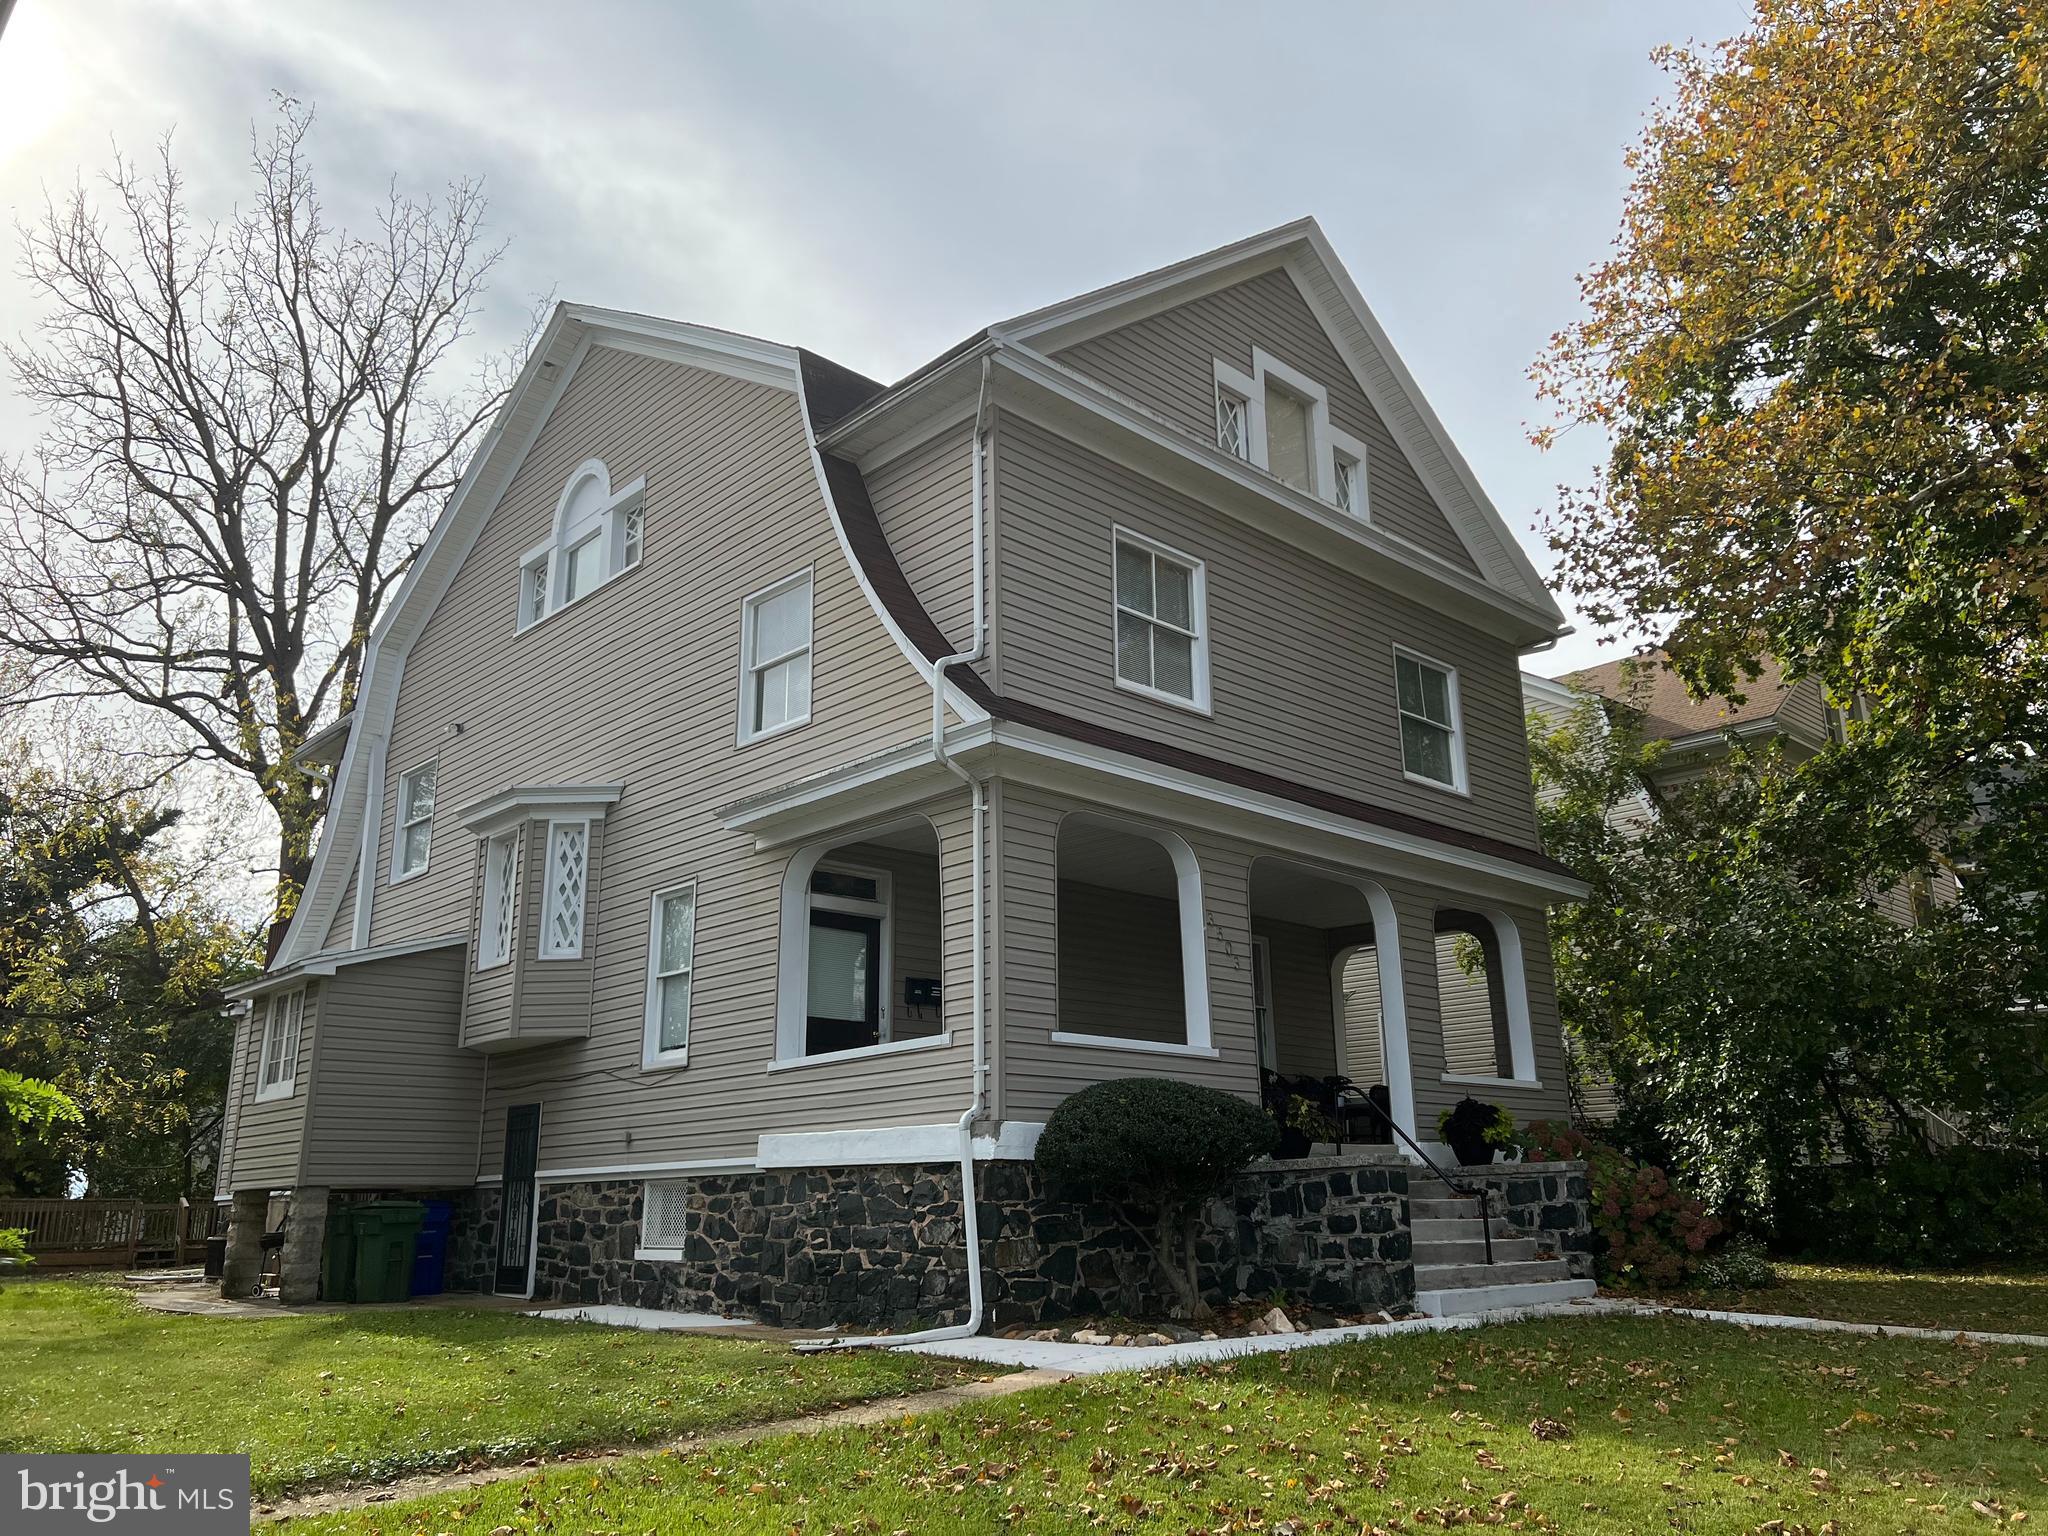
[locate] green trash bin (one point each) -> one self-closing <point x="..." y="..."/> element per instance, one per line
<point x="385" y="1233"/>
<point x="338" y="1256"/>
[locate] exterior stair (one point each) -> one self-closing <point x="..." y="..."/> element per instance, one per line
<point x="1451" y="1272"/>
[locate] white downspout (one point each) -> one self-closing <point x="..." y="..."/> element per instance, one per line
<point x="978" y="792"/>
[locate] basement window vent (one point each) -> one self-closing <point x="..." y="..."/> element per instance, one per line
<point x="663" y="1212"/>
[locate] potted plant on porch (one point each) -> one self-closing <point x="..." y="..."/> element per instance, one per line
<point x="1473" y="1130"/>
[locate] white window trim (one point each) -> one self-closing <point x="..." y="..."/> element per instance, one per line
<point x="1198" y="610"/>
<point x="1267" y="1046"/>
<point x="1460" y="784"/>
<point x="652" y="1056"/>
<point x="400" y="876"/>
<point x="541" y="951"/>
<point x="1326" y="440"/>
<point x="514" y="839"/>
<point x="803" y="577"/>
<point x="1146" y="1047"/>
<point x="268" y="1048"/>
<point x="607" y="520"/>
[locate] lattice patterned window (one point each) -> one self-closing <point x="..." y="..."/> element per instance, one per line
<point x="278" y="1070"/>
<point x="664" y="1215"/>
<point x="1233" y="423"/>
<point x="561" y="924"/>
<point x="1350" y="484"/>
<point x="501" y="885"/>
<point x="596" y="534"/>
<point x="534" y="599"/>
<point x="630" y="533"/>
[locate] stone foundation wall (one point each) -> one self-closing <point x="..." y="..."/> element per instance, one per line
<point x="885" y="1246"/>
<point x="1546" y="1201"/>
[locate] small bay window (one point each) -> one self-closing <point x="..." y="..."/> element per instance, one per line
<point x="278" y="1065"/>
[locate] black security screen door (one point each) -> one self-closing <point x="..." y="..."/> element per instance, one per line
<point x="515" y="1229"/>
<point x="845" y="1006"/>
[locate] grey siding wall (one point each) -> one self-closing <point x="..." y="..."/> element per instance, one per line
<point x="637" y="685"/>
<point x="1803" y="713"/>
<point x="1365" y="1059"/>
<point x="1119" y="964"/>
<point x="1167" y="362"/>
<point x="231" y="1112"/>
<point x="1037" y="1072"/>
<point x="1466" y="1006"/>
<point x="342" y="930"/>
<point x="924" y="499"/>
<point x="270" y="1136"/>
<point x="398" y="1102"/>
<point x="1328" y="721"/>
<point x="1304" y="1025"/>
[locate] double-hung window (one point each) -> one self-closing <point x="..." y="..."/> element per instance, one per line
<point x="1427" y="697"/>
<point x="671" y="960"/>
<point x="775" y="658"/>
<point x="498" y="913"/>
<point x="415" y="820"/>
<point x="278" y="1069"/>
<point x="1161" y="639"/>
<point x="568" y="884"/>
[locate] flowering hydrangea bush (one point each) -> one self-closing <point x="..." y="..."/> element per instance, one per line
<point x="1648" y="1233"/>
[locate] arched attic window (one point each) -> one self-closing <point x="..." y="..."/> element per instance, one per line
<point x="596" y="534"/>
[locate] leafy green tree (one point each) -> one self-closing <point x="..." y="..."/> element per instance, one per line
<point x="112" y="966"/>
<point x="1820" y="354"/>
<point x="1737" y="974"/>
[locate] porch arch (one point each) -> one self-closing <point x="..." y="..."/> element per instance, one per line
<point x="1386" y="946"/>
<point x="1072" y="845"/>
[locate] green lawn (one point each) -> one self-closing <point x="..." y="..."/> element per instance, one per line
<point x="370" y="1395"/>
<point x="1645" y="1424"/>
<point x="1992" y="1300"/>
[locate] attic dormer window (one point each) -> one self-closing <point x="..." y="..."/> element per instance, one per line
<point x="1277" y="418"/>
<point x="597" y="534"/>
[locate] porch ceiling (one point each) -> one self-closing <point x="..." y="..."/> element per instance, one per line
<point x="1289" y="893"/>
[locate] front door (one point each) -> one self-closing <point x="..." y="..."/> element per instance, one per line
<point x="515" y="1228"/>
<point x="844" y="1010"/>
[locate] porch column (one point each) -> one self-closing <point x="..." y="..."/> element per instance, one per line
<point x="244" y="1259"/>
<point x="305" y="1234"/>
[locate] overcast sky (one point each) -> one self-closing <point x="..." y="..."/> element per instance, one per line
<point x="875" y="181"/>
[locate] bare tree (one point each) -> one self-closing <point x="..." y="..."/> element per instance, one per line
<point x="245" y="448"/>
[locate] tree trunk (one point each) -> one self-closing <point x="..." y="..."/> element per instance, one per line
<point x="1174" y="1252"/>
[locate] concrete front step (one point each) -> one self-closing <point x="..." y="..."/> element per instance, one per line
<point x="1458" y="1301"/>
<point x="1471" y="1249"/>
<point x="1440" y="1229"/>
<point x="1450" y="1277"/>
<point x="1421" y="1208"/>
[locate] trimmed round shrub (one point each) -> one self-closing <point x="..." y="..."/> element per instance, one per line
<point x="1161" y="1146"/>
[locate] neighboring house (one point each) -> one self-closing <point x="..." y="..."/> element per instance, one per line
<point x="768" y="779"/>
<point x="1699" y="735"/>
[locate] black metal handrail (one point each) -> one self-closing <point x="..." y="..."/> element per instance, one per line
<point x="1479" y="1192"/>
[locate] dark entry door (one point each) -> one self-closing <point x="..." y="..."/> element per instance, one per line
<point x="844" y="1009"/>
<point x="515" y="1227"/>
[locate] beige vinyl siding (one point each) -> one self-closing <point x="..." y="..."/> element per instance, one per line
<point x="399" y="1104"/>
<point x="1304" y="1027"/>
<point x="1466" y="1005"/>
<point x="637" y="685"/>
<point x="231" y="1111"/>
<point x="924" y="499"/>
<point x="1803" y="713"/>
<point x="1119" y="964"/>
<point x="1301" y="652"/>
<point x="270" y="1135"/>
<point x="1166" y="362"/>
<point x="1365" y="1059"/>
<point x="341" y="932"/>
<point x="1037" y="1072"/>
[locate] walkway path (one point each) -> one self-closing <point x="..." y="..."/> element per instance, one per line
<point x="882" y="1411"/>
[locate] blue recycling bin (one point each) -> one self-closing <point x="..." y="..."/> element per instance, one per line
<point x="430" y="1256"/>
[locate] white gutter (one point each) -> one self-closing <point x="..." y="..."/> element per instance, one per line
<point x="978" y="791"/>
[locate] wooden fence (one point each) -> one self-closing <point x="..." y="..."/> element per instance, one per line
<point x="127" y="1233"/>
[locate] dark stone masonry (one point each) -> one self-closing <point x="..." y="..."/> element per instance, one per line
<point x="1546" y="1201"/>
<point x="885" y="1246"/>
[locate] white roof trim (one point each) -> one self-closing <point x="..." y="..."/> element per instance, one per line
<point x="333" y="960"/>
<point x="352" y="824"/>
<point x="524" y="801"/>
<point x="1331" y="294"/>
